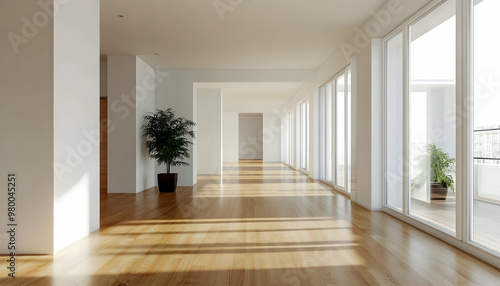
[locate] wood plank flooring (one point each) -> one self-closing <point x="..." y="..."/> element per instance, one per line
<point x="260" y="224"/>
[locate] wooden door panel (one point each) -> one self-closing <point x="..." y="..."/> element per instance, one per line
<point x="103" y="144"/>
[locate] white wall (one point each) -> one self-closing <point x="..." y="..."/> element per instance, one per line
<point x="26" y="117"/>
<point x="175" y="90"/>
<point x="363" y="187"/>
<point x="271" y="137"/>
<point x="121" y="116"/>
<point x="145" y="103"/>
<point x="250" y="137"/>
<point x="353" y="180"/>
<point x="131" y="94"/>
<point x="76" y="120"/>
<point x="230" y="135"/>
<point x="209" y="136"/>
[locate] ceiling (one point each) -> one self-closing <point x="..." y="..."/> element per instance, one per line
<point x="254" y="97"/>
<point x="252" y="34"/>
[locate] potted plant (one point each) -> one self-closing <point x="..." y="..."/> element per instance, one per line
<point x="167" y="140"/>
<point x="438" y="164"/>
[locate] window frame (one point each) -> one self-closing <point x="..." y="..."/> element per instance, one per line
<point x="462" y="238"/>
<point x="323" y="133"/>
<point x="303" y="107"/>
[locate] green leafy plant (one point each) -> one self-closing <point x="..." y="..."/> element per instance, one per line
<point x="168" y="137"/>
<point x="438" y="164"/>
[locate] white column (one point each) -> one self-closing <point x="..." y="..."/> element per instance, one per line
<point x="230" y="135"/>
<point x="131" y="95"/>
<point x="49" y="116"/>
<point x="76" y="120"/>
<point x="122" y="122"/>
<point x="376" y="124"/>
<point x="144" y="103"/>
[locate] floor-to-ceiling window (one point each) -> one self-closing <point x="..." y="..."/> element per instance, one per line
<point x="335" y="130"/>
<point x="394" y="121"/>
<point x="485" y="207"/>
<point x="422" y="118"/>
<point x="348" y="117"/>
<point x="304" y="135"/>
<point x="340" y="158"/>
<point x="288" y="137"/>
<point x="328" y="132"/>
<point x="431" y="110"/>
<point x="440" y="158"/>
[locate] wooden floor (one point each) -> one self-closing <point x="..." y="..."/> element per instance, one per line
<point x="260" y="224"/>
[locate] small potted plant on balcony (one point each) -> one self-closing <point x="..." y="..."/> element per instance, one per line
<point x="167" y="140"/>
<point x="438" y="164"/>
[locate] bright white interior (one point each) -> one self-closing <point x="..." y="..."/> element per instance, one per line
<point x="256" y="59"/>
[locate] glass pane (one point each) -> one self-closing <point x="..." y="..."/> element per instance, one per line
<point x="303" y="138"/>
<point x="289" y="138"/>
<point x="432" y="144"/>
<point x="340" y="132"/>
<point x="328" y="132"/>
<point x="307" y="135"/>
<point x="486" y="192"/>
<point x="283" y="140"/>
<point x="394" y="122"/>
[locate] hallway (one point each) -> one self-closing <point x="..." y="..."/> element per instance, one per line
<point x="260" y="224"/>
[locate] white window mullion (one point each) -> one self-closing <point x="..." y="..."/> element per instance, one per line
<point x="347" y="113"/>
<point x="385" y="165"/>
<point x="406" y="120"/>
<point x="465" y="116"/>
<point x="334" y="131"/>
<point x="322" y="133"/>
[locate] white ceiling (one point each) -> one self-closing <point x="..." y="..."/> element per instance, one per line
<point x="254" y="97"/>
<point x="257" y="34"/>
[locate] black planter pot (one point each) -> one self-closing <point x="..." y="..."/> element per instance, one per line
<point x="167" y="183"/>
<point x="438" y="191"/>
